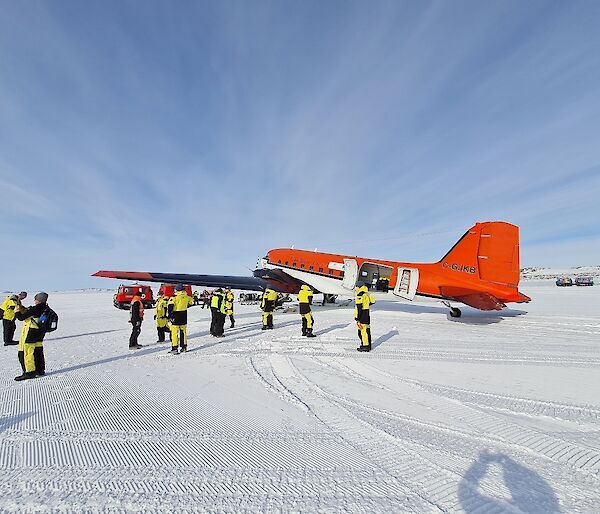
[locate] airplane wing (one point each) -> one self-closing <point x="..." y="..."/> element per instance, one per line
<point x="477" y="299"/>
<point x="275" y="279"/>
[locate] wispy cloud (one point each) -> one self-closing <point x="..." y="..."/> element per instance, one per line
<point x="195" y="137"/>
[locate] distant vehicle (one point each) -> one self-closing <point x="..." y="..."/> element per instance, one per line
<point x="250" y="298"/>
<point x="564" y="281"/>
<point x="123" y="296"/>
<point x="584" y="281"/>
<point x="169" y="289"/>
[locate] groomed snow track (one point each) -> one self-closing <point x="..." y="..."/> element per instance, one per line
<point x="489" y="414"/>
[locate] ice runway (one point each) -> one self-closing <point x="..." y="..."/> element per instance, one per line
<point x="493" y="412"/>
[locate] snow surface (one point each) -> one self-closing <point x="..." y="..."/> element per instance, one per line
<point x="492" y="412"/>
<point x="543" y="273"/>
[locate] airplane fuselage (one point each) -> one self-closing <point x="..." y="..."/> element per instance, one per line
<point x="325" y="272"/>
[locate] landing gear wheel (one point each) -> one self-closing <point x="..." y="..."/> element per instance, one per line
<point x="455" y="312"/>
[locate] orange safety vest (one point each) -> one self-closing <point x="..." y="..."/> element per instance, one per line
<point x="139" y="298"/>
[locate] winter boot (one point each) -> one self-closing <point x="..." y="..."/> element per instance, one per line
<point x="364" y="348"/>
<point x="174" y="350"/>
<point x="26" y="376"/>
<point x="309" y="333"/>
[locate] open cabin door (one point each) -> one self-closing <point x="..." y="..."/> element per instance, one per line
<point x="406" y="284"/>
<point x="350" y="274"/>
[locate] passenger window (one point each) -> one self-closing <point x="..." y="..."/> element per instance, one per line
<point x="287" y="262"/>
<point x="320" y="270"/>
<point x="302" y="266"/>
<point x="294" y="264"/>
<point x="311" y="267"/>
<point x="331" y="272"/>
<point x="341" y="273"/>
<point x="279" y="261"/>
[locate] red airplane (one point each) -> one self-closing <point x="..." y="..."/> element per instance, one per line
<point x="481" y="270"/>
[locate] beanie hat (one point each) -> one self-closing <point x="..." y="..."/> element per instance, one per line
<point x="41" y="297"/>
<point x="179" y="287"/>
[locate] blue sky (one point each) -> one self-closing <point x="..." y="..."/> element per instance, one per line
<point x="193" y="136"/>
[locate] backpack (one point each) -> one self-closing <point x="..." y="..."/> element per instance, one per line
<point x="48" y="321"/>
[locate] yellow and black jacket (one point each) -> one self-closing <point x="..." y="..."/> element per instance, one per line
<point x="268" y="300"/>
<point x="161" y="311"/>
<point x="363" y="300"/>
<point x="9" y="308"/>
<point x="228" y="303"/>
<point x="178" y="306"/>
<point x="31" y="333"/>
<point x="305" y="299"/>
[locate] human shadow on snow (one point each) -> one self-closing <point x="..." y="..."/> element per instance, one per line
<point x="232" y="334"/>
<point x="331" y="329"/>
<point x="8" y="422"/>
<point x="384" y="338"/>
<point x="85" y="334"/>
<point x="529" y="492"/>
<point x="131" y="354"/>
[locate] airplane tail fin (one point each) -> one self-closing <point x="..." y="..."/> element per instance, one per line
<point x="488" y="250"/>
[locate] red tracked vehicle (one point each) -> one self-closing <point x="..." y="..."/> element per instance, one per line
<point x="123" y="296"/>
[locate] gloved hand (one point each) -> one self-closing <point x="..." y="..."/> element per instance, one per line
<point x="359" y="325"/>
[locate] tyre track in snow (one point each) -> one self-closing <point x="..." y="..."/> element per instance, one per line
<point x="331" y="348"/>
<point x="434" y="486"/>
<point x="449" y="449"/>
<point x="489" y="427"/>
<point x="514" y="404"/>
<point x="240" y="491"/>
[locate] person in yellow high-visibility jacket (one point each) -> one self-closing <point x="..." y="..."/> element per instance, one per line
<point x="10" y="306"/>
<point x="229" y="298"/>
<point x="161" y="316"/>
<point x="362" y="316"/>
<point x="217" y="309"/>
<point x="305" y="297"/>
<point x="177" y="310"/>
<point x="267" y="305"/>
<point x="31" y="348"/>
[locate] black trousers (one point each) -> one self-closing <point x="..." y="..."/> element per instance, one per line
<point x="219" y="328"/>
<point x="161" y="333"/>
<point x="214" y="312"/>
<point x="135" y="332"/>
<point x="232" y="320"/>
<point x="9" y="327"/>
<point x="38" y="357"/>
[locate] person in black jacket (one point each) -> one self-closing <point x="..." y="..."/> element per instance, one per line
<point x="31" y="349"/>
<point x="136" y="318"/>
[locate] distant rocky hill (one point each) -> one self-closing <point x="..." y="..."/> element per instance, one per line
<point x="553" y="273"/>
